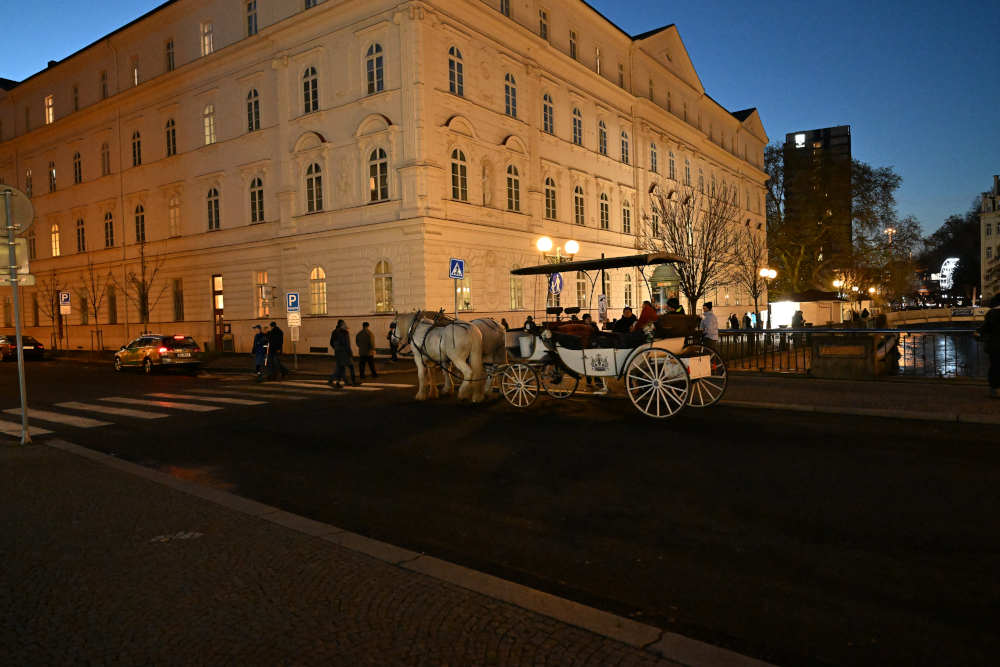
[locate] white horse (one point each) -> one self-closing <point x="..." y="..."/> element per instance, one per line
<point x="459" y="343"/>
<point x="494" y="351"/>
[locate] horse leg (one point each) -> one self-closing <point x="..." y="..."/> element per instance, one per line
<point x="467" y="389"/>
<point x="449" y="383"/>
<point x="432" y="387"/>
<point x="421" y="377"/>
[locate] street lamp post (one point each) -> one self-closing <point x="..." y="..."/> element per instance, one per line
<point x="890" y="231"/>
<point x="545" y="244"/>
<point x="768" y="275"/>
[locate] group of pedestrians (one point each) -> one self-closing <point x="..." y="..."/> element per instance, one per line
<point x="343" y="354"/>
<point x="266" y="351"/>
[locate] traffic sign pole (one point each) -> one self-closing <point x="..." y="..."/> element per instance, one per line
<point x="11" y="243"/>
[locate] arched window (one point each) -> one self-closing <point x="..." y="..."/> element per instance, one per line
<point x="314" y="189"/>
<point x="374" y="69"/>
<point x="581" y="289"/>
<point x="626" y="217"/>
<point x="548" y="115"/>
<point x="655" y="224"/>
<point x="109" y="230"/>
<point x="459" y="176"/>
<point x="378" y="175"/>
<point x="140" y="224"/>
<point x="628" y="290"/>
<point x="577" y="128"/>
<point x="670" y="164"/>
<point x="516" y="290"/>
<point x="550" y="199"/>
<point x="81" y="236"/>
<point x="579" y="216"/>
<point x="105" y="160"/>
<point x="687" y="172"/>
<point x="384" y="302"/>
<point x="310" y="91"/>
<point x="463" y="290"/>
<point x="652" y="159"/>
<point x="510" y="95"/>
<point x="52" y="176"/>
<point x="317" y="292"/>
<point x="136" y="149"/>
<point x="55" y="240"/>
<point x="602" y="138"/>
<point x="28" y="184"/>
<point x="624" y="146"/>
<point x="213" y="209"/>
<point x="605" y="211"/>
<point x="77" y="169"/>
<point x="253" y="111"/>
<point x="171" y="138"/>
<point x="513" y="190"/>
<point x="456" y="72"/>
<point x="701" y="181"/>
<point x="209" y="118"/>
<point x="256" y="200"/>
<point x="174" y="216"/>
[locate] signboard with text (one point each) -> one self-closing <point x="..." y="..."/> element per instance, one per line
<point x="294" y="319"/>
<point x="64" y="303"/>
<point x="292" y="303"/>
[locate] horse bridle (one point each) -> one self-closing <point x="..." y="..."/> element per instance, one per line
<point x="401" y="341"/>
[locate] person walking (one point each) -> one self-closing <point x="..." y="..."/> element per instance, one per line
<point x="259" y="349"/>
<point x="503" y="323"/>
<point x="275" y="343"/>
<point x="989" y="335"/>
<point x="393" y="347"/>
<point x="365" y="340"/>
<point x="734" y="322"/>
<point x="709" y="327"/>
<point x="340" y="340"/>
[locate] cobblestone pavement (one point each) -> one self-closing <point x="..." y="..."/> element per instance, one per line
<point x="925" y="396"/>
<point x="98" y="567"/>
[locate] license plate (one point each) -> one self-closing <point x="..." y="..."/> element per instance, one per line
<point x="29" y="347"/>
<point x="183" y="354"/>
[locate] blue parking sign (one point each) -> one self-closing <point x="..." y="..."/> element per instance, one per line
<point x="292" y="302"/>
<point x="457" y="269"/>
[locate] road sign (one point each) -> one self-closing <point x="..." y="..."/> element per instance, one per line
<point x="293" y="330"/>
<point x="294" y="319"/>
<point x="64" y="303"/>
<point x="292" y="302"/>
<point x="23" y="281"/>
<point x="457" y="270"/>
<point x="21" y="250"/>
<point x="602" y="307"/>
<point x="22" y="211"/>
<point x="556" y="283"/>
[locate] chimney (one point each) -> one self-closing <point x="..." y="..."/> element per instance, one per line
<point x="996" y="185"/>
<point x="53" y="63"/>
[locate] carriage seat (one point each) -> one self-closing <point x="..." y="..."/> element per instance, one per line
<point x="573" y="335"/>
<point x="677" y="326"/>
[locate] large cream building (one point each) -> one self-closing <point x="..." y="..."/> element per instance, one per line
<point x="346" y="150"/>
<point x="989" y="246"/>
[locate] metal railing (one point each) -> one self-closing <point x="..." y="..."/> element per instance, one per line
<point x="904" y="352"/>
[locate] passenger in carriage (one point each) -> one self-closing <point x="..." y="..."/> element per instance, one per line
<point x="647" y="315"/>
<point x="674" y="307"/>
<point x="624" y="325"/>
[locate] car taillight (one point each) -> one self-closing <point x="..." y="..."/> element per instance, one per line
<point x="164" y="350"/>
<point x="197" y="349"/>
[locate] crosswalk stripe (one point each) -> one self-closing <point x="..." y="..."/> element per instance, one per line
<point x="313" y="391"/>
<point x="72" y="420"/>
<point x="233" y="392"/>
<point x="14" y="428"/>
<point x="231" y="401"/>
<point x="388" y="385"/>
<point x="346" y="386"/>
<point x="109" y="410"/>
<point x="303" y="384"/>
<point x="191" y="407"/>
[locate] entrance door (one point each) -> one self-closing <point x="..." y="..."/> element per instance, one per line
<point x="218" y="304"/>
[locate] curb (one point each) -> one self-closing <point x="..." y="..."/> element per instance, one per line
<point x="681" y="650"/>
<point x="870" y="412"/>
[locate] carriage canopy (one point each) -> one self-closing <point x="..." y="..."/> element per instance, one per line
<point x="628" y="261"/>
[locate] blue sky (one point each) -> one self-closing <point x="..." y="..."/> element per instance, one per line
<point x="916" y="81"/>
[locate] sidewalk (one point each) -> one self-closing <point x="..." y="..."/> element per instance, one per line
<point x="106" y="562"/>
<point x="934" y="401"/>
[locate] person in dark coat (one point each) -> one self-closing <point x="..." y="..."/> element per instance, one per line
<point x="259" y="349"/>
<point x="864" y="314"/>
<point x="646" y="316"/>
<point x="798" y="321"/>
<point x="340" y="341"/>
<point x="734" y="322"/>
<point x="674" y="307"/>
<point x="990" y="331"/>
<point x="275" y="344"/>
<point x="503" y="323"/>
<point x="747" y="322"/>
<point x="624" y="325"/>
<point x="393" y="347"/>
<point x="365" y="341"/>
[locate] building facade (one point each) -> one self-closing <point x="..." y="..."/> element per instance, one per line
<point x="989" y="246"/>
<point x="345" y="150"/>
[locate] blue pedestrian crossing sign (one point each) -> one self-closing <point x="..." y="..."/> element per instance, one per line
<point x="457" y="269"/>
<point x="556" y="283"/>
<point x="292" y="302"/>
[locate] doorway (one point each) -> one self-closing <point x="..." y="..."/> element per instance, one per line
<point x="218" y="306"/>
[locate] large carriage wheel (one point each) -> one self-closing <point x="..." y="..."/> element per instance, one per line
<point x="657" y="382"/>
<point x="519" y="385"/>
<point x="707" y="390"/>
<point x="557" y="383"/>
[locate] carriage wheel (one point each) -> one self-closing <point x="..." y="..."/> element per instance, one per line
<point x="519" y="385"/>
<point x="657" y="382"/>
<point x="707" y="390"/>
<point x="557" y="383"/>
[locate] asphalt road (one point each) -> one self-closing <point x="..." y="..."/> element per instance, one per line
<point x="800" y="539"/>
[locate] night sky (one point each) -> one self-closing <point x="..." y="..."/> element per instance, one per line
<point x="917" y="81"/>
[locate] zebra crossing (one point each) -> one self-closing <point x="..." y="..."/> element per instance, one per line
<point x="162" y="405"/>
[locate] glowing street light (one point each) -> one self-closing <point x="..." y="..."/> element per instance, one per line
<point x="838" y="283"/>
<point x="544" y="244"/>
<point x="871" y="290"/>
<point x="572" y="247"/>
<point x="890" y="231"/>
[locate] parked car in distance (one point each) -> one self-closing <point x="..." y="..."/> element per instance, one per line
<point x="32" y="348"/>
<point x="151" y="351"/>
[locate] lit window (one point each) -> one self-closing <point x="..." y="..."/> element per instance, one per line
<point x="605" y="212"/>
<point x="626" y="217"/>
<point x="456" y="72"/>
<point x="578" y="206"/>
<point x="109" y="231"/>
<point x="314" y="189"/>
<point x="171" y="138"/>
<point x="384" y="301"/>
<point x="209" y="118"/>
<point x="581" y="289"/>
<point x="256" y="200"/>
<point x="550" y="199"/>
<point x="513" y="190"/>
<point x="134" y="69"/>
<point x="52" y="176"/>
<point x="459" y="176"/>
<point x="317" y="291"/>
<point x="628" y="290"/>
<point x="463" y="290"/>
<point x="510" y="95"/>
<point x="572" y="44"/>
<point x="81" y="236"/>
<point x="251" y="18"/>
<point x="253" y="111"/>
<point x="516" y="290"/>
<point x="624" y="147"/>
<point x="375" y="70"/>
<point x="602" y="138"/>
<point x="77" y="169"/>
<point x="598" y="66"/>
<point x="105" y="160"/>
<point x="310" y="91"/>
<point x="652" y="159"/>
<point x="207" y="45"/>
<point x="168" y="50"/>
<point x="174" y="216"/>
<point x="548" y="122"/>
<point x="213" y="209"/>
<point x="55" y="240"/>
<point x="140" y="224"/>
<point x="577" y="128"/>
<point x="136" y="149"/>
<point x="50" y="112"/>
<point x="543" y="24"/>
<point x="378" y="175"/>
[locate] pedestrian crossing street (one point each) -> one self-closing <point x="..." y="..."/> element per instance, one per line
<point x="163" y="405"/>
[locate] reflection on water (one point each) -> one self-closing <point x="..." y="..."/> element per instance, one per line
<point x="945" y="355"/>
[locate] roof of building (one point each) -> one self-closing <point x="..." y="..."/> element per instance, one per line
<point x="7" y="84"/>
<point x="743" y="115"/>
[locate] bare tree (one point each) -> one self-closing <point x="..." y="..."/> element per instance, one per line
<point x="95" y="289"/>
<point x="699" y="227"/>
<point x="749" y="257"/>
<point x="49" y="289"/>
<point x="139" y="280"/>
